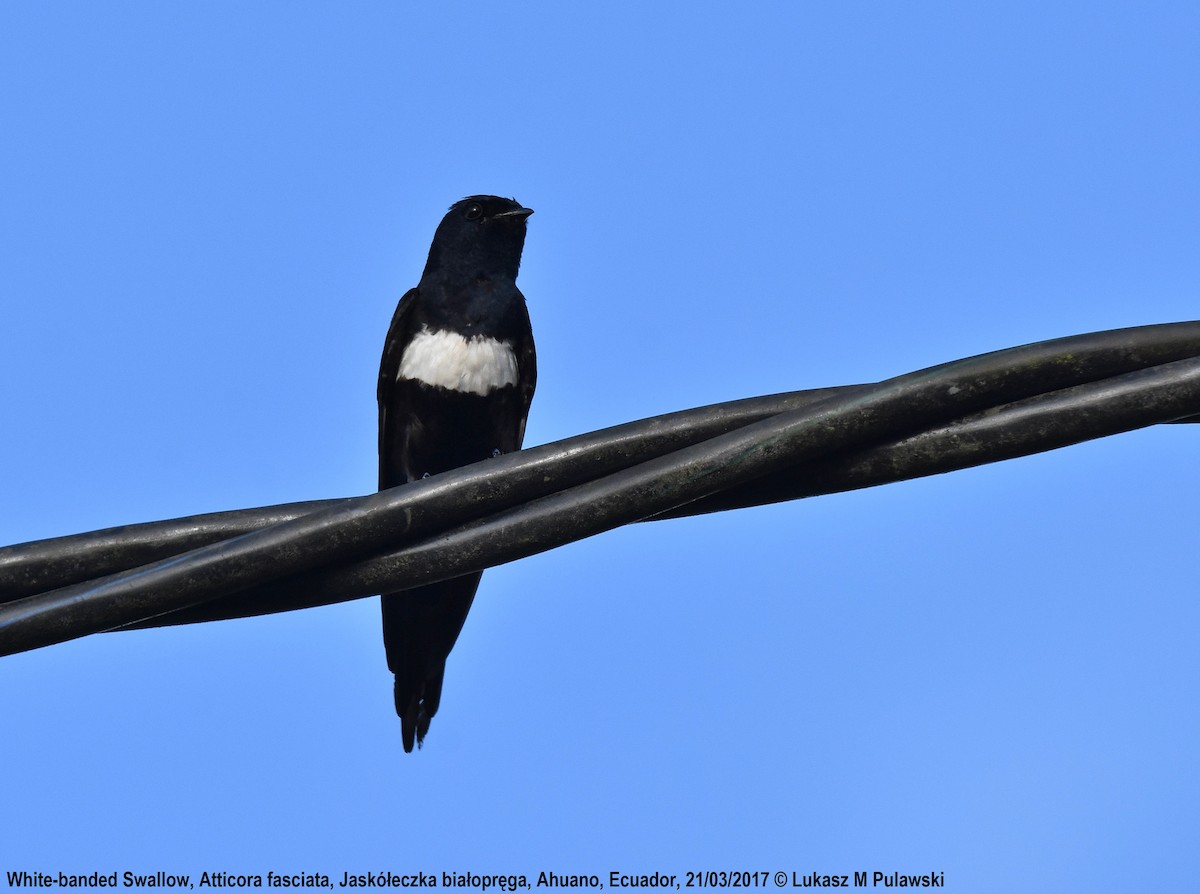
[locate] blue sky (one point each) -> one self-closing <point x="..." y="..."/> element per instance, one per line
<point x="208" y="213"/>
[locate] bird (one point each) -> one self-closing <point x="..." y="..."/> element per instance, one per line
<point x="455" y="383"/>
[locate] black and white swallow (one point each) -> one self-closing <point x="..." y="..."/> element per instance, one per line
<point x="455" y="384"/>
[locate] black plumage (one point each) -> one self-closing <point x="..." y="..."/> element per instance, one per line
<point x="455" y="384"/>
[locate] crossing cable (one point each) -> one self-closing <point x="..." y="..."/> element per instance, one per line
<point x="964" y="413"/>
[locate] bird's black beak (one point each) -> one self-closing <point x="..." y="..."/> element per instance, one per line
<point x="519" y="214"/>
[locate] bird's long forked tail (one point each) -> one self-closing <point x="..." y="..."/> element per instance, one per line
<point x="420" y="627"/>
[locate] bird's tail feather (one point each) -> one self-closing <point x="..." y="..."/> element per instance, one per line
<point x="416" y="703"/>
<point x="419" y="630"/>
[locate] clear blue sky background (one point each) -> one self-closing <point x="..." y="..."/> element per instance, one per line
<point x="207" y="214"/>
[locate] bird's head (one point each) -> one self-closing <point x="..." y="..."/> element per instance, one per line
<point x="482" y="234"/>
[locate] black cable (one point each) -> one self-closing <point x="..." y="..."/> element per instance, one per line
<point x="1049" y="394"/>
<point x="30" y="568"/>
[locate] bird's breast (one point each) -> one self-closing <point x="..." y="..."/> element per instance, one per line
<point x="475" y="365"/>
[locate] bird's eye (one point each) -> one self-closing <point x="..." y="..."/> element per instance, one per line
<point x="474" y="211"/>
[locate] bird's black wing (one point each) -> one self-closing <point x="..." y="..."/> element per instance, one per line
<point x="389" y="367"/>
<point x="526" y="371"/>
